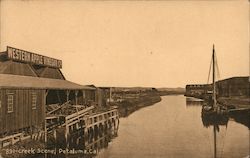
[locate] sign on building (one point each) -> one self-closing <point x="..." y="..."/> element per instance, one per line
<point x="28" y="57"/>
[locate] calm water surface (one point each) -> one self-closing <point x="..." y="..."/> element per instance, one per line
<point x="174" y="129"/>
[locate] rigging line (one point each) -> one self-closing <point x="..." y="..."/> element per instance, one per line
<point x="217" y="67"/>
<point x="209" y="70"/>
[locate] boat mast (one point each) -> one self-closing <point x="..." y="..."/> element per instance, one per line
<point x="214" y="87"/>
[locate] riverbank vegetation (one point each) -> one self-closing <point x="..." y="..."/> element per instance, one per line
<point x="128" y="106"/>
<point x="129" y="100"/>
<point x="171" y="91"/>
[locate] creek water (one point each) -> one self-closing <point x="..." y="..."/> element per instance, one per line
<point x="173" y="128"/>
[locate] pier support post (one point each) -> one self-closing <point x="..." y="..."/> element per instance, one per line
<point x="66" y="132"/>
<point x="110" y="95"/>
<point x="85" y="131"/>
<point x="54" y="134"/>
<point x="77" y="125"/>
<point x="83" y="97"/>
<point x="58" y="96"/>
<point x="76" y="93"/>
<point x="67" y="93"/>
<point x="45" y="120"/>
<point x="45" y="132"/>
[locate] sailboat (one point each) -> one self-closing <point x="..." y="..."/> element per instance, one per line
<point x="212" y="107"/>
<point x="212" y="112"/>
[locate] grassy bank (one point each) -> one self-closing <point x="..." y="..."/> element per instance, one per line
<point x="171" y="91"/>
<point x="128" y="106"/>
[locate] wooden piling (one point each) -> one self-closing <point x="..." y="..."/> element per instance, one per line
<point x="66" y="131"/>
<point x="54" y="134"/>
<point x="1" y="144"/>
<point x="45" y="132"/>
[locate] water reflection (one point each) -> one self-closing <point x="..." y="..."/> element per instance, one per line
<point x="242" y="117"/>
<point x="193" y="102"/>
<point x="173" y="129"/>
<point x="218" y="122"/>
<point x="215" y="121"/>
<point x="79" y="146"/>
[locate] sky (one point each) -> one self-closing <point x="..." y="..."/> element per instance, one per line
<point x="132" y="43"/>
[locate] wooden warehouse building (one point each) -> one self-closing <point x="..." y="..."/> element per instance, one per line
<point x="28" y="83"/>
<point x="230" y="87"/>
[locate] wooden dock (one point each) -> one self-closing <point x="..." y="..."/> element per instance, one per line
<point x="86" y="122"/>
<point x="13" y="139"/>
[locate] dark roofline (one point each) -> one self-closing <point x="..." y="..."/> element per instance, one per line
<point x="236" y="77"/>
<point x="8" y="81"/>
<point x="91" y="85"/>
<point x="231" y="78"/>
<point x="3" y="56"/>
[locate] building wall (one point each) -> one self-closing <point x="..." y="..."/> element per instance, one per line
<point x="102" y="96"/>
<point x="90" y="96"/>
<point x="236" y="86"/>
<point x="198" y="91"/>
<point x="23" y="116"/>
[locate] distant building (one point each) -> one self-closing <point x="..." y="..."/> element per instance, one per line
<point x="235" y="86"/>
<point x="198" y="90"/>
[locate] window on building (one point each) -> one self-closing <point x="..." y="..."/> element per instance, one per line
<point x="33" y="100"/>
<point x="10" y="102"/>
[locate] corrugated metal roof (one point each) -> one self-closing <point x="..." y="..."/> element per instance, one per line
<point x="17" y="81"/>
